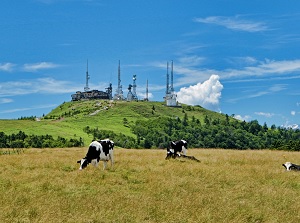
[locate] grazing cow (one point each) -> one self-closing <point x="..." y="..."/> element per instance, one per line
<point x="176" y="148"/>
<point x="98" y="151"/>
<point x="290" y="166"/>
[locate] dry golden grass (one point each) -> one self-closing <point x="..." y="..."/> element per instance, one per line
<point x="45" y="185"/>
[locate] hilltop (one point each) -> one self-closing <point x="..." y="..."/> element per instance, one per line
<point x="70" y="118"/>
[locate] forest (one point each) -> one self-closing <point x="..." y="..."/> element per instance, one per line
<point x="22" y="140"/>
<point x="158" y="132"/>
<point x="228" y="134"/>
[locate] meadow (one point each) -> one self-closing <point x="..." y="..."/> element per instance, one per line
<point x="45" y="185"/>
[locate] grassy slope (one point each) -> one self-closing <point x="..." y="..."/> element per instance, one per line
<point x="45" y="185"/>
<point x="110" y="117"/>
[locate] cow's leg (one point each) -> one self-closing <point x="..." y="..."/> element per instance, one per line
<point x="184" y="150"/>
<point x="104" y="164"/>
<point x="112" y="159"/>
<point x="95" y="162"/>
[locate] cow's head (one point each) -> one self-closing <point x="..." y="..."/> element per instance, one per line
<point x="170" y="153"/>
<point x="83" y="163"/>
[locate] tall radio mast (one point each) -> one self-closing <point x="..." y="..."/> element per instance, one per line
<point x="172" y="89"/>
<point x="167" y="87"/>
<point x="147" y="91"/>
<point x="87" y="77"/>
<point x="119" y="92"/>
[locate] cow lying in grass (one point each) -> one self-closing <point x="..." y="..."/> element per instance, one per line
<point x="98" y="151"/>
<point x="177" y="148"/>
<point x="179" y="156"/>
<point x="290" y="166"/>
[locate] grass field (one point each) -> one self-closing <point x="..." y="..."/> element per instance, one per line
<point x="45" y="185"/>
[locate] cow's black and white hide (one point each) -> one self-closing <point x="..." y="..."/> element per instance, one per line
<point x="291" y="166"/>
<point x="102" y="150"/>
<point x="180" y="156"/>
<point x="176" y="148"/>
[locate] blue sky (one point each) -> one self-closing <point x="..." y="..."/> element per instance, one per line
<point x="237" y="57"/>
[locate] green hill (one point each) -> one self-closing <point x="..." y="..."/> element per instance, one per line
<point x="142" y="125"/>
<point x="70" y="118"/>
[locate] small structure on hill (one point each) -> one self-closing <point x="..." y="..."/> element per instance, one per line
<point x="91" y="94"/>
<point x="88" y="94"/>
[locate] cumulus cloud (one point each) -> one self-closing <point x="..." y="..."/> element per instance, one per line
<point x="293" y="113"/>
<point x="206" y="94"/>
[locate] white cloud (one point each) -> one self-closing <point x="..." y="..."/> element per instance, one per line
<point x="267" y="115"/>
<point x="28" y="108"/>
<point x="273" y="89"/>
<point x="293" y="113"/>
<point x="234" y="23"/>
<point x="5" y="100"/>
<point x="264" y="68"/>
<point x="189" y="71"/>
<point x="191" y="60"/>
<point x="254" y="94"/>
<point x="243" y="118"/>
<point x="41" y="85"/>
<point x="291" y="126"/>
<point x="39" y="66"/>
<point x="242" y="61"/>
<point x="206" y="94"/>
<point x="141" y="95"/>
<point x="6" y="66"/>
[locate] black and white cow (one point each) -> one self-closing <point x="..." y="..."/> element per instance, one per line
<point x="176" y="148"/>
<point x="102" y="150"/>
<point x="290" y="166"/>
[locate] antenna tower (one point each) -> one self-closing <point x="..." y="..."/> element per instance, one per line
<point x="167" y="87"/>
<point x="134" y="87"/>
<point x="170" y="97"/>
<point x="172" y="89"/>
<point x="87" y="77"/>
<point x="146" y="99"/>
<point x="119" y="92"/>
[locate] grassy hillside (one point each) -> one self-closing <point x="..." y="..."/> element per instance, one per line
<point x="45" y="185"/>
<point x="69" y="119"/>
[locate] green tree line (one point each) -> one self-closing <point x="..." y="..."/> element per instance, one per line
<point x="224" y="133"/>
<point x="22" y="140"/>
<point x="212" y="133"/>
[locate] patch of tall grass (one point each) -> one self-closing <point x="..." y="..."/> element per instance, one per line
<point x="45" y="185"/>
